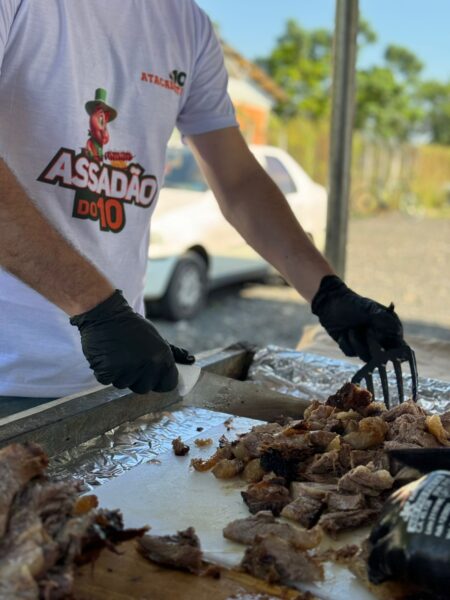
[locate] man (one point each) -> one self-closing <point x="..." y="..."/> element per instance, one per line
<point x="75" y="215"/>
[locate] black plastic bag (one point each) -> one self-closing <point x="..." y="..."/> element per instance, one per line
<point x="411" y="541"/>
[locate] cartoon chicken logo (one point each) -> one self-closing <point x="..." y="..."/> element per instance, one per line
<point x="100" y="114"/>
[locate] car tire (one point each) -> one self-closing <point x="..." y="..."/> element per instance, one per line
<point x="187" y="290"/>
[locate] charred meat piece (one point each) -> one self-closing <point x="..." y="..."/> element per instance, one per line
<point x="350" y="396"/>
<point x="49" y="529"/>
<point x="322" y="439"/>
<point x="350" y="458"/>
<point x="316" y="490"/>
<point x="245" y="531"/>
<point x="334" y="522"/>
<point x="366" y="480"/>
<point x="248" y="445"/>
<point x="321" y="417"/>
<point x="320" y="478"/>
<point x="57" y="584"/>
<point x="276" y="560"/>
<point x="371" y="433"/>
<point x="406" y="408"/>
<point x="411" y="429"/>
<point x="18" y="465"/>
<point x="328" y="462"/>
<point x="222" y="452"/>
<point x="374" y="409"/>
<point x="228" y="468"/>
<point x="434" y="425"/>
<point x="309" y="502"/>
<point x="179" y="447"/>
<point x="253" y="471"/>
<point x="203" y="442"/>
<point x="181" y="551"/>
<point x="266" y="495"/>
<point x="283" y="454"/>
<point x="338" y="501"/>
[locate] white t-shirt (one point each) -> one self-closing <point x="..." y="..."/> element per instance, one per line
<point x="90" y="92"/>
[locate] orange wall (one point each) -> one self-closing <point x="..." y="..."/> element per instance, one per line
<point x="253" y="121"/>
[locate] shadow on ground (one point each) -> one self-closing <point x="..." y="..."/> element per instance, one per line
<point x="260" y="315"/>
<point x="230" y="316"/>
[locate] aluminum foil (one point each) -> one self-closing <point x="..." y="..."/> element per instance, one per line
<point x="313" y="377"/>
<point x="131" y="444"/>
<point x="300" y="374"/>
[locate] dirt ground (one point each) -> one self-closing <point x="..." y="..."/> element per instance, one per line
<point x="390" y="257"/>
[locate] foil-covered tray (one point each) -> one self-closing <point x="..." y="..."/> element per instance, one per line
<point x="300" y="374"/>
<point x="313" y="377"/>
<point x="131" y="444"/>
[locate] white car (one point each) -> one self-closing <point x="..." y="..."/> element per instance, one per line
<point x="193" y="248"/>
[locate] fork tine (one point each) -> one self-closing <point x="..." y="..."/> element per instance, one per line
<point x="414" y="375"/>
<point x="384" y="384"/>
<point x="399" y="377"/>
<point x="369" y="383"/>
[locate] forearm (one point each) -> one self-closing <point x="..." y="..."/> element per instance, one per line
<point x="261" y="214"/>
<point x="33" y="251"/>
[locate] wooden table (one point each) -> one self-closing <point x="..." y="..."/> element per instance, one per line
<point x="129" y="576"/>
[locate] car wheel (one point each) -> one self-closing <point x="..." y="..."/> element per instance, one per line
<point x="186" y="293"/>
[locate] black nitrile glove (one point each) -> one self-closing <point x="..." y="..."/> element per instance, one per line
<point x="125" y="349"/>
<point x="182" y="356"/>
<point x="349" y="317"/>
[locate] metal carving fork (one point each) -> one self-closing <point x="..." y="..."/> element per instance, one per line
<point x="379" y="360"/>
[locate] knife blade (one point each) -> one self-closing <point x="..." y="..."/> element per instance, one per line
<point x="203" y="389"/>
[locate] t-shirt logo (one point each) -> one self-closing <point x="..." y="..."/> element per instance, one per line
<point x="104" y="182"/>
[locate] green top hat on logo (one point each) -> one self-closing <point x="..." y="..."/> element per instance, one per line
<point x="100" y="100"/>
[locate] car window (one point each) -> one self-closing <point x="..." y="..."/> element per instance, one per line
<point x="182" y="171"/>
<point x="280" y="175"/>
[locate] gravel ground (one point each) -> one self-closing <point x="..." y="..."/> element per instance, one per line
<point x="390" y="257"/>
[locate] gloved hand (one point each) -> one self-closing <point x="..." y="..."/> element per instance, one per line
<point x="349" y="317"/>
<point x="125" y="349"/>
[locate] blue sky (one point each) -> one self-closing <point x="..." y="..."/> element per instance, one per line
<point x="423" y="26"/>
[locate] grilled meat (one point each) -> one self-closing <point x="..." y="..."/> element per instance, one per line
<point x="179" y="447"/>
<point x="366" y="480"/>
<point x="179" y="551"/>
<point x="276" y="560"/>
<point x="245" y="531"/>
<point x="47" y="528"/>
<point x="266" y="495"/>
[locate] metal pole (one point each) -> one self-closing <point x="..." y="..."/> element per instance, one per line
<point x="341" y="131"/>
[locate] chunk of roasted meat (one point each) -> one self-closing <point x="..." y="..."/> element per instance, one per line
<point x="228" y="468"/>
<point x="223" y="452"/>
<point x="275" y="559"/>
<point x="350" y="396"/>
<point x="179" y="551"/>
<point x="245" y="531"/>
<point x="18" y="465"/>
<point x="335" y="459"/>
<point x="269" y="495"/>
<point x="335" y="522"/>
<point x="47" y="528"/>
<point x="309" y="502"/>
<point x="179" y="447"/>
<point x="366" y="480"/>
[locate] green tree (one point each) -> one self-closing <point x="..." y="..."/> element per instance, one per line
<point x="403" y="62"/>
<point x="436" y="98"/>
<point x="301" y="64"/>
<point x="388" y="105"/>
<point x="392" y="102"/>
